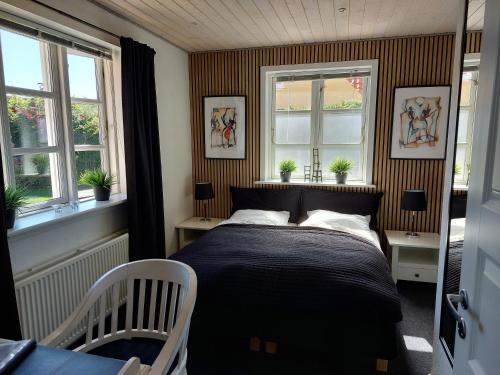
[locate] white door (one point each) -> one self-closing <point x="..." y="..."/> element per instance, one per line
<point x="477" y="347"/>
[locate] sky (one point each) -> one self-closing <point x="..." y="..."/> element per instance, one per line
<point x="23" y="66"/>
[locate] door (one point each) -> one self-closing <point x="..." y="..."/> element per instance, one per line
<point x="477" y="341"/>
<point x="442" y="356"/>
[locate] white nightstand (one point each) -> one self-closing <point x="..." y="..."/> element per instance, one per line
<point x="192" y="229"/>
<point x="414" y="259"/>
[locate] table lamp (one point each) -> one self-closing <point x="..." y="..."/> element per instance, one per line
<point x="202" y="192"/>
<point x="413" y="200"/>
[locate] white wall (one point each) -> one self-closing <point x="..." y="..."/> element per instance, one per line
<point x="41" y="245"/>
<point x="172" y="84"/>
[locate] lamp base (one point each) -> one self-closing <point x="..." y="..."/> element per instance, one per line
<point x="412" y="234"/>
<point x="205" y="213"/>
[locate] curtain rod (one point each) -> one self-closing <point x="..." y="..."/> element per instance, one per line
<point x="37" y="31"/>
<point x="76" y="19"/>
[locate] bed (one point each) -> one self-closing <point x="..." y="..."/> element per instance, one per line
<point x="453" y="265"/>
<point x="456" y="243"/>
<point x="311" y="292"/>
<point x="455" y="248"/>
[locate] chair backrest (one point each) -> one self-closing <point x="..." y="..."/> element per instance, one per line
<point x="158" y="295"/>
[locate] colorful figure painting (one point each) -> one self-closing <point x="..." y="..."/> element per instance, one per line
<point x="420" y="122"/>
<point x="224" y="127"/>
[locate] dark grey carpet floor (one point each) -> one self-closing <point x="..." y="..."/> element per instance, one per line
<point x="417" y="302"/>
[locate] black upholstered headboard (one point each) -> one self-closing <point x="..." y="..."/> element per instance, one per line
<point x="300" y="200"/>
<point x="344" y="202"/>
<point x="458" y="206"/>
<point x="266" y="199"/>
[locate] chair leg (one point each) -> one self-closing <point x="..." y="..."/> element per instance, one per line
<point x="382" y="365"/>
<point x="271" y="347"/>
<point x="254" y="344"/>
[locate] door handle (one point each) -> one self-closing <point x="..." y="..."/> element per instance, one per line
<point x="463" y="299"/>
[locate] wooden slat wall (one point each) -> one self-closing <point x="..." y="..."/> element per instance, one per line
<point x="424" y="60"/>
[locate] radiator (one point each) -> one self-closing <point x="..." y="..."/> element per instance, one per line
<point x="47" y="296"/>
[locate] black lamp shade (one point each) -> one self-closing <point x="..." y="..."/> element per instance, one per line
<point x="203" y="190"/>
<point x="413" y="200"/>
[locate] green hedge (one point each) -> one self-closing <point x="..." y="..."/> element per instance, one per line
<point x="31" y="182"/>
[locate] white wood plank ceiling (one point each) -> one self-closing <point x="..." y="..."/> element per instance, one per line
<point x="199" y="25"/>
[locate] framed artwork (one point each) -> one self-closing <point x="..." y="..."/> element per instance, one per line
<point x="224" y="127"/>
<point x="420" y="122"/>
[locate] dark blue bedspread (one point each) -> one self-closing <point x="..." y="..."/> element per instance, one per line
<point x="292" y="269"/>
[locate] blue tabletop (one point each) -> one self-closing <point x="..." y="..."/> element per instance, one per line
<point x="49" y="361"/>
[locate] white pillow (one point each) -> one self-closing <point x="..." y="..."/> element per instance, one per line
<point x="259" y="217"/>
<point x="354" y="224"/>
<point x="457" y="229"/>
<point x="336" y="218"/>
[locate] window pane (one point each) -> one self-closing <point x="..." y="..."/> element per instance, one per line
<point x="85" y="120"/>
<point x="293" y="96"/>
<point x="86" y="160"/>
<point x="34" y="173"/>
<point x="328" y="155"/>
<point x="22" y="62"/>
<point x="342" y="127"/>
<point x="82" y="76"/>
<point x="293" y="128"/>
<point x="465" y="94"/>
<point x="343" y="93"/>
<point x="460" y="163"/>
<point x="300" y="154"/>
<point x="463" y="121"/>
<point x="28" y="121"/>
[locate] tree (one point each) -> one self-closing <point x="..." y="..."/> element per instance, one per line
<point x="28" y="128"/>
<point x="85" y="120"/>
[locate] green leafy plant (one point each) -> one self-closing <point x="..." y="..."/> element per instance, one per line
<point x="85" y="121"/>
<point x="41" y="163"/>
<point x="96" y="178"/>
<point x="288" y="166"/>
<point x="457" y="169"/>
<point x="14" y="198"/>
<point x="341" y="165"/>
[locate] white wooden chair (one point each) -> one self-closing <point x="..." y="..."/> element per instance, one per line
<point x="171" y="287"/>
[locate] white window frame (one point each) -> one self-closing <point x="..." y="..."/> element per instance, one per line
<point x="470" y="59"/>
<point x="63" y="175"/>
<point x="269" y="73"/>
<point x="103" y="147"/>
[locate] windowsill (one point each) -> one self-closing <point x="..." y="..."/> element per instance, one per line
<point x="45" y="218"/>
<point x="460" y="188"/>
<point x="324" y="183"/>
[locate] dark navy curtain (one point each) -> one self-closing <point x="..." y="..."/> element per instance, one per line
<point x="9" y="321"/>
<point x="142" y="152"/>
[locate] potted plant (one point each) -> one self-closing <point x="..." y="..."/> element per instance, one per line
<point x="341" y="167"/>
<point x="286" y="169"/>
<point x="14" y="199"/>
<point x="100" y="181"/>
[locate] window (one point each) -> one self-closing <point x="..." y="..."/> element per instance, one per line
<point x="87" y="115"/>
<point x="319" y="106"/>
<point x="466" y="117"/>
<point x="53" y="116"/>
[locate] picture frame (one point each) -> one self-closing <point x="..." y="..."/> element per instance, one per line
<point x="420" y="122"/>
<point x="224" y="127"/>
